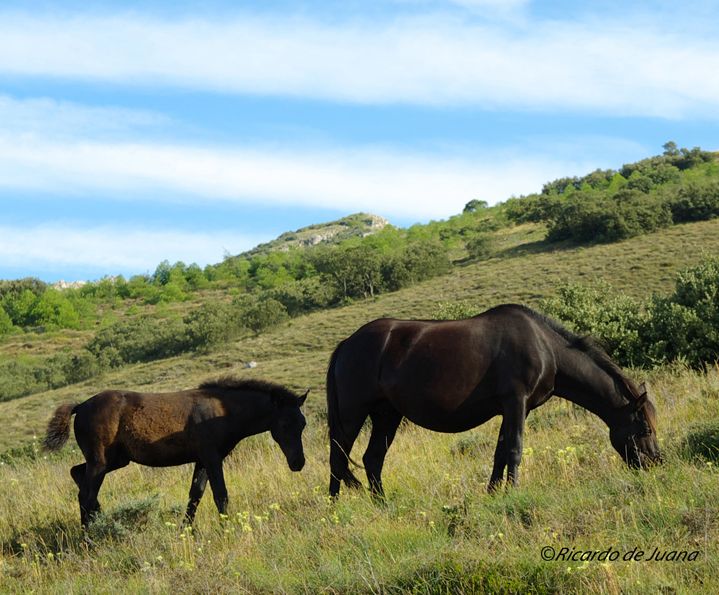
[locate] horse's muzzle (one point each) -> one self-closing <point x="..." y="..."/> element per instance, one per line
<point x="297" y="464"/>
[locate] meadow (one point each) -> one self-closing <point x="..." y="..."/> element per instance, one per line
<point x="439" y="532"/>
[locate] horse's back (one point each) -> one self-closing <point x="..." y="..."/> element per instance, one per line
<point x="145" y="426"/>
<point x="441" y="373"/>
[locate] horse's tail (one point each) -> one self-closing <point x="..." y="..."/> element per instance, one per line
<point x="58" y="428"/>
<point x="334" y="421"/>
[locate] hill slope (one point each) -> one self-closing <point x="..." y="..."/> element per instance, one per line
<point x="439" y="531"/>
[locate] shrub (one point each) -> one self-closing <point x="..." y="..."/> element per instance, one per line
<point x="304" y="295"/>
<point x="81" y="366"/>
<point x="686" y="324"/>
<point x="682" y="326"/>
<point x="584" y="218"/>
<point x="480" y="246"/>
<point x="141" y="339"/>
<point x="417" y="262"/>
<point x="695" y="202"/>
<point x="263" y="314"/>
<point x="615" y="320"/>
<point x="211" y="324"/>
<point x="455" y="310"/>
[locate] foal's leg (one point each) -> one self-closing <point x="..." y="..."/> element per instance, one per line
<point x="78" y="474"/>
<point x="341" y="441"/>
<point x="197" y="488"/>
<point x="500" y="461"/>
<point x="89" y="506"/>
<point x="385" y="421"/>
<point x="89" y="477"/>
<point x="217" y="483"/>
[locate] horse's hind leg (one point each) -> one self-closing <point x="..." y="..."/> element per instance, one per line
<point x="385" y="421"/>
<point x="341" y="442"/>
<point x="94" y="474"/>
<point x="87" y="497"/>
<point x="197" y="489"/>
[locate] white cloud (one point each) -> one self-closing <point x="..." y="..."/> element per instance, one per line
<point x="46" y="116"/>
<point x="113" y="249"/>
<point x="393" y="184"/>
<point x="628" y="69"/>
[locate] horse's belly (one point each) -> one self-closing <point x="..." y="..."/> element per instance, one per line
<point x="439" y="416"/>
<point x="147" y="446"/>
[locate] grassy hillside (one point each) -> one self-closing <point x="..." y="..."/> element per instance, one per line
<point x="439" y="531"/>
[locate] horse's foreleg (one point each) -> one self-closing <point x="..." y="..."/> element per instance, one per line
<point x="197" y="488"/>
<point x="217" y="483"/>
<point x="385" y="421"/>
<point x="513" y="423"/>
<point x="500" y="462"/>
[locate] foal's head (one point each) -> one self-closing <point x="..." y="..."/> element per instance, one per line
<point x="286" y="428"/>
<point x="634" y="432"/>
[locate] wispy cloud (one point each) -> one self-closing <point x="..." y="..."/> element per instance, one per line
<point x="49" y="117"/>
<point x="113" y="249"/>
<point x="617" y="69"/>
<point x="408" y="186"/>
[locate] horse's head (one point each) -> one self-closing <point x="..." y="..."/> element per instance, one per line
<point x="286" y="428"/>
<point x="634" y="432"/>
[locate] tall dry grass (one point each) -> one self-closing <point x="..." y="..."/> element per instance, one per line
<point x="438" y="531"/>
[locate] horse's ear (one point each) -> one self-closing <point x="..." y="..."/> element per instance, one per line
<point x="643" y="389"/>
<point x="641" y="401"/>
<point x="303" y="398"/>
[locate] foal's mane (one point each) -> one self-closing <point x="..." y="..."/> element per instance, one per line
<point x="232" y="383"/>
<point x="592" y="350"/>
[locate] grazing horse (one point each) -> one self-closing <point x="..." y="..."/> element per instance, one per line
<point x="199" y="426"/>
<point x="450" y="376"/>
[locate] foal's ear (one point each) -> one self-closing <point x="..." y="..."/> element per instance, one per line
<point x="303" y="398"/>
<point x="643" y="389"/>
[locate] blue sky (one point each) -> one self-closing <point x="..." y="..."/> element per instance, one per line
<point x="135" y="132"/>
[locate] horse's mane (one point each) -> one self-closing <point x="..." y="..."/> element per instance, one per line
<point x="591" y="349"/>
<point x="232" y="383"/>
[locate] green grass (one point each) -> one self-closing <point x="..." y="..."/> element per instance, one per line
<point x="439" y="532"/>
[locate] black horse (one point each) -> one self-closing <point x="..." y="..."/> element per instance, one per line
<point x="199" y="426"/>
<point x="450" y="376"/>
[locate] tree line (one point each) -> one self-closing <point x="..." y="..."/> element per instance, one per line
<point x="681" y="185"/>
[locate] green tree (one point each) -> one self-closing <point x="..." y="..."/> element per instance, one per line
<point x="670" y="148"/>
<point x="19" y="305"/>
<point x="161" y="276"/>
<point x="354" y="271"/>
<point x="6" y="325"/>
<point x="53" y="310"/>
<point x="475" y="205"/>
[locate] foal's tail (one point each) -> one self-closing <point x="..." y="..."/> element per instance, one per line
<point x="58" y="428"/>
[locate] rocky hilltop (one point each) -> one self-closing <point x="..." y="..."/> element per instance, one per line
<point x="358" y="224"/>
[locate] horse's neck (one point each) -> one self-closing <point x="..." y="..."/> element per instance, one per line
<point x="252" y="416"/>
<point x="581" y="381"/>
